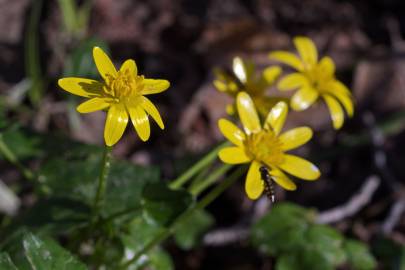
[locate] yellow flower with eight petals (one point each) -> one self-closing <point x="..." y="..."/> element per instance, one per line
<point x="314" y="79"/>
<point x="122" y="92"/>
<point x="244" y="78"/>
<point x="265" y="146"/>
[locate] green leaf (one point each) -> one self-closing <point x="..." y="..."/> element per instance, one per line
<point x="22" y="143"/>
<point x="359" y="257"/>
<point x="282" y="229"/>
<point x="77" y="178"/>
<point x="46" y="254"/>
<point x="287" y="262"/>
<point x="6" y="263"/>
<point x="327" y="242"/>
<point x="53" y="216"/>
<point x="390" y="254"/>
<point x="162" y="205"/>
<point x="139" y="234"/>
<point x="80" y="61"/>
<point x="189" y="231"/>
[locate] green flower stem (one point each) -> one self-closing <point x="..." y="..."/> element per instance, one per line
<point x="210" y="197"/>
<point x="202" y="185"/>
<point x="105" y="169"/>
<point x="11" y="157"/>
<point x="200" y="165"/>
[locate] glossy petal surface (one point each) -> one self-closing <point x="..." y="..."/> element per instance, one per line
<point x="295" y="137"/>
<point x="130" y="66"/>
<point x="293" y="81"/>
<point x="254" y="184"/>
<point x="233" y="155"/>
<point x="283" y="180"/>
<point x="300" y="167"/>
<point x="276" y="117"/>
<point x="104" y="65"/>
<point x="335" y="110"/>
<point x="307" y="50"/>
<point x="152" y="86"/>
<point x="231" y="132"/>
<point x="151" y="109"/>
<point x="140" y="121"/>
<point x="116" y="122"/>
<point x="304" y="98"/>
<point x="287" y="58"/>
<point x="94" y="104"/>
<point x="247" y="113"/>
<point x="81" y="86"/>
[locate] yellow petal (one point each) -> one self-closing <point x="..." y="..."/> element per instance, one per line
<point x="287" y="58"/>
<point x="240" y="70"/>
<point x="94" y="104"/>
<point x="233" y="155"/>
<point x="326" y="67"/>
<point x="282" y="179"/>
<point x="231" y="132"/>
<point x="130" y="67"/>
<point x="81" y="86"/>
<point x="115" y="124"/>
<point x="304" y="98"/>
<point x="307" y="50"/>
<point x="292" y="81"/>
<point x="254" y="184"/>
<point x="150" y="108"/>
<point x="295" y="137"/>
<point x="335" y="111"/>
<point x="276" y="117"/>
<point x="152" y="86"/>
<point x="340" y="91"/>
<point x="300" y="167"/>
<point x="338" y="86"/>
<point x="247" y="113"/>
<point x="271" y="74"/>
<point x="103" y="63"/>
<point x="140" y="121"/>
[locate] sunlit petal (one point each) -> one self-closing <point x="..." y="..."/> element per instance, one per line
<point x="292" y="81"/>
<point x="94" y="104"/>
<point x="116" y="122"/>
<point x="335" y="110"/>
<point x="231" y="132"/>
<point x="276" y="117"/>
<point x="287" y="58"/>
<point x="326" y="67"/>
<point x="307" y="50"/>
<point x="295" y="137"/>
<point x="233" y="155"/>
<point x="304" y="98"/>
<point x="240" y="70"/>
<point x="140" y="121"/>
<point x="254" y="184"/>
<point x="282" y="179"/>
<point x="247" y="113"/>
<point x="271" y="74"/>
<point x="130" y="67"/>
<point x="340" y="91"/>
<point x="150" y="109"/>
<point x="81" y="86"/>
<point x="300" y="167"/>
<point x="104" y="65"/>
<point x="152" y="86"/>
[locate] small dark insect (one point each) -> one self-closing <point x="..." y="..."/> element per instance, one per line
<point x="268" y="183"/>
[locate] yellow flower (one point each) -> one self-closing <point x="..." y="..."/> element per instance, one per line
<point x="314" y="79"/>
<point x="122" y="92"/>
<point x="265" y="146"/>
<point x="244" y="78"/>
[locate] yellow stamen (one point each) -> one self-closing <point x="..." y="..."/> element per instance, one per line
<point x="265" y="147"/>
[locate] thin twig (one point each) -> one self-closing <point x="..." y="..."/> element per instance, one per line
<point x="354" y="205"/>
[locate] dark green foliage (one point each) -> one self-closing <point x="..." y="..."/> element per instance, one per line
<point x="288" y="232"/>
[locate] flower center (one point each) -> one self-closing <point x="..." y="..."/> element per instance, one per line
<point x="124" y="85"/>
<point x="264" y="147"/>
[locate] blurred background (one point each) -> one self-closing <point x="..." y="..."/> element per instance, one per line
<point x="361" y="190"/>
